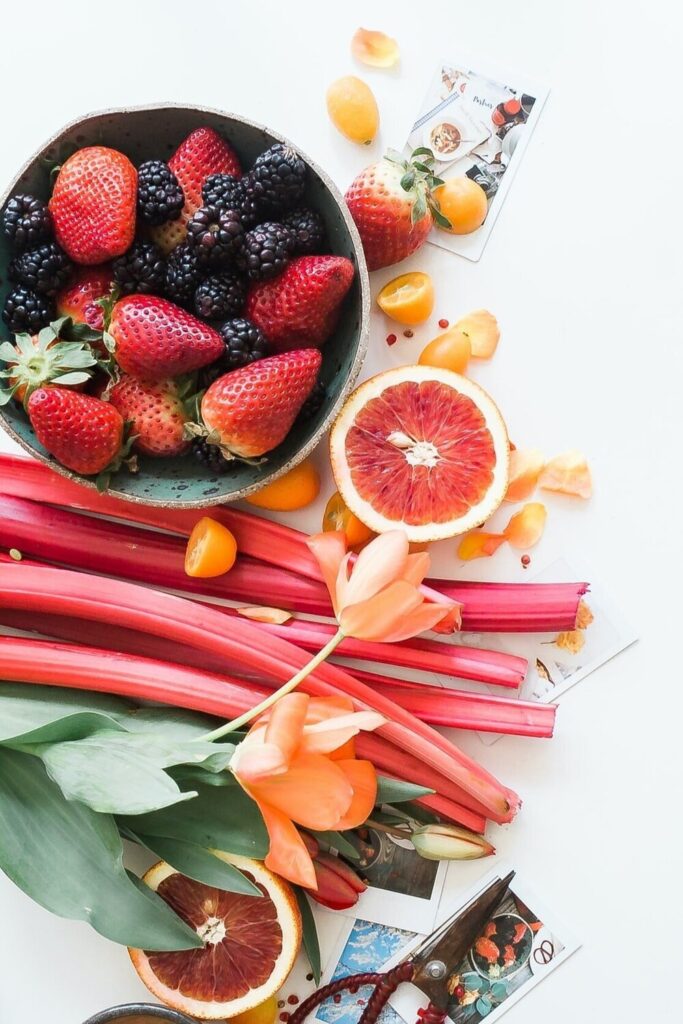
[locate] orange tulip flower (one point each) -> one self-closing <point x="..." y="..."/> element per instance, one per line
<point x="297" y="762"/>
<point x="377" y="596"/>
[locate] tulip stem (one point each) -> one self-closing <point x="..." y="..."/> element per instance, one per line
<point x="237" y="723"/>
<point x="399" y="833"/>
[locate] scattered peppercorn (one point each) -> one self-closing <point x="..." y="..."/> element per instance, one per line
<point x="292" y="1000"/>
<point x="408" y="333"/>
<point x="309" y="977"/>
<point x="525" y="560"/>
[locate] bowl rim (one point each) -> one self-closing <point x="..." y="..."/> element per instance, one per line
<point x="151" y="1010"/>
<point x="364" y="329"/>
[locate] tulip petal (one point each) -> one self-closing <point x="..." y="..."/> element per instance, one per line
<point x="329" y="550"/>
<point x="259" y="613"/>
<point x="333" y="891"/>
<point x="287" y="855"/>
<point x="416" y="568"/>
<point x="568" y="473"/>
<point x="526" y="526"/>
<point x="286" y="723"/>
<point x="427" y="616"/>
<point x="525" y="469"/>
<point x="314" y="792"/>
<point x="254" y="761"/>
<point x="324" y="737"/>
<point x="380" y="616"/>
<point x="363" y="779"/>
<point x="374" y="48"/>
<point x="479" y="544"/>
<point x="380" y="563"/>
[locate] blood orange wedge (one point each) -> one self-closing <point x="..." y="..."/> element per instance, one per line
<point x="423" y="449"/>
<point x="250" y="942"/>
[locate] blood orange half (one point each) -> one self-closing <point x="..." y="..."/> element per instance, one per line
<point x="250" y="943"/>
<point x="421" y="449"/>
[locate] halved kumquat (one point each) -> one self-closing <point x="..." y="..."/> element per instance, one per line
<point x="408" y="299"/>
<point x="211" y="549"/>
<point x="337" y="516"/>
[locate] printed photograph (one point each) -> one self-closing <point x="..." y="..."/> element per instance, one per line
<point x="393" y="865"/>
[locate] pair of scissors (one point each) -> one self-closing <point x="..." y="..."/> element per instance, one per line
<point x="430" y="966"/>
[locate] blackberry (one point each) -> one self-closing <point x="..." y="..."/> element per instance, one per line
<point x="220" y="297"/>
<point x="267" y="250"/>
<point x="308" y="230"/>
<point x="183" y="274"/>
<point x="216" y="235"/>
<point x="209" y="455"/>
<point x="222" y="190"/>
<point x="160" y="197"/>
<point x="26" y="221"/>
<point x="278" y="179"/>
<point x="26" y="312"/>
<point x="244" y="343"/>
<point x="313" y="403"/>
<point x="44" y="270"/>
<point x="141" y="269"/>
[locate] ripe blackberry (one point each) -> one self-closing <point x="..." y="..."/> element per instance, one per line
<point x="44" y="270"/>
<point x="308" y="230"/>
<point x="26" y="221"/>
<point x="313" y="403"/>
<point x="26" y="312"/>
<point x="141" y="269"/>
<point x="209" y="455"/>
<point x="268" y="249"/>
<point x="230" y="193"/>
<point x="183" y="274"/>
<point x="216" y="235"/>
<point x="244" y="343"/>
<point x="220" y="297"/>
<point x="278" y="179"/>
<point x="160" y="197"/>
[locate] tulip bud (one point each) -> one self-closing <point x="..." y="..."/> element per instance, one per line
<point x="338" y="884"/>
<point x="450" y="842"/>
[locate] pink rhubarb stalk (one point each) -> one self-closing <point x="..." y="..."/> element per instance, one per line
<point x="59" y="591"/>
<point x="96" y="545"/>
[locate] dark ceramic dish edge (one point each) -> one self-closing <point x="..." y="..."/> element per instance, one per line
<point x="149" y="1010"/>
<point x="364" y="317"/>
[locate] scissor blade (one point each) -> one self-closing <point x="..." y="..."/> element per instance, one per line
<point x="441" y="953"/>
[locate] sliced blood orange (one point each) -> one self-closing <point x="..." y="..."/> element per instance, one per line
<point x="250" y="942"/>
<point x="423" y="449"/>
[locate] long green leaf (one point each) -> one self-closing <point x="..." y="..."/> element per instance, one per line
<point x="391" y="791"/>
<point x="219" y="818"/>
<point x="340" y="843"/>
<point x="70" y="860"/>
<point x="172" y="722"/>
<point x="26" y="710"/>
<point x="200" y="864"/>
<point x="310" y="934"/>
<point x="123" y="773"/>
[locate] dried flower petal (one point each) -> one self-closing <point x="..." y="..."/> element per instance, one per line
<point x="572" y="640"/>
<point x="481" y="327"/>
<point x="525" y="468"/>
<point x="526" y="526"/>
<point x="479" y="544"/>
<point x="584" y="616"/>
<point x="568" y="473"/>
<point x="275" y="616"/>
<point x="374" y="48"/>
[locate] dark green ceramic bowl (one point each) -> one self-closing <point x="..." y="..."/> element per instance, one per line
<point x="145" y="132"/>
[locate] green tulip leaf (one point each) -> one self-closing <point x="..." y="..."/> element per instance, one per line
<point x="340" y="843"/>
<point x="200" y="864"/>
<point x="309" y="935"/>
<point x="69" y="859"/>
<point x="42" y="714"/>
<point x="391" y="791"/>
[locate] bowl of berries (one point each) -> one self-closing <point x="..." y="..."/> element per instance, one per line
<point x="185" y="304"/>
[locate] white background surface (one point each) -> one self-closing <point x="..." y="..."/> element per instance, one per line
<point x="584" y="274"/>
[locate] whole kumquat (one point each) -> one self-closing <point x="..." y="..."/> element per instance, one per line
<point x="290" y="492"/>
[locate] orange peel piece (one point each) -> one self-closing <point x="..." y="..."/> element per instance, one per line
<point x="374" y="48"/>
<point x="526" y="465"/>
<point x="572" y="640"/>
<point x="479" y="544"/>
<point x="275" y="616"/>
<point x="481" y="327"/>
<point x="568" y="473"/>
<point x="526" y="526"/>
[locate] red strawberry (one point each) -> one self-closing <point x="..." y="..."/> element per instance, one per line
<point x="155" y="339"/>
<point x="392" y="204"/>
<point x="300" y="308"/>
<point x="252" y="409"/>
<point x="202" y="153"/>
<point x="93" y="204"/>
<point x="84" y="433"/>
<point x="79" y="299"/>
<point x="156" y="412"/>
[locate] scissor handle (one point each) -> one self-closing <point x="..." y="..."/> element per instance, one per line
<point x="385" y="986"/>
<point x="431" y="1014"/>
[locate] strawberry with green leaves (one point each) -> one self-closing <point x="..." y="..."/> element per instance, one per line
<point x="156" y="413"/>
<point x="84" y="433"/>
<point x="35" y="361"/>
<point x="301" y="306"/>
<point x="393" y="204"/>
<point x="82" y="296"/>
<point x="249" y="411"/>
<point x="94" y="204"/>
<point x="202" y="153"/>
<point x="153" y="339"/>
